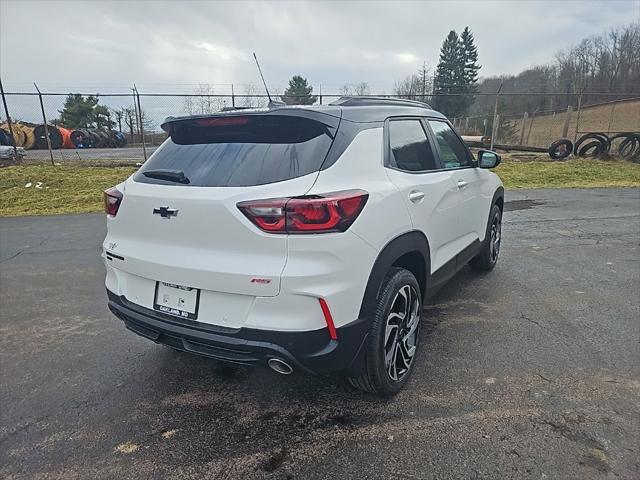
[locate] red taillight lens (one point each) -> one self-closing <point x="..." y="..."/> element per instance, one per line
<point x="268" y="215"/>
<point x="331" y="212"/>
<point x="112" y="200"/>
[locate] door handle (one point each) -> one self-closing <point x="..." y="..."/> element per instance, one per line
<point x="462" y="184"/>
<point x="416" y="195"/>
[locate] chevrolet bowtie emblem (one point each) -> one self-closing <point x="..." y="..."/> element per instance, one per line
<point x="165" y="212"/>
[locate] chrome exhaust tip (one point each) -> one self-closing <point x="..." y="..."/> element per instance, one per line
<point x="280" y="366"/>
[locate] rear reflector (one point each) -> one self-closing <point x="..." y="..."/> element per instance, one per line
<point x="329" y="212"/>
<point x="333" y="334"/>
<point x="112" y="200"/>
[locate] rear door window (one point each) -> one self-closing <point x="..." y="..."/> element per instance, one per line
<point x="237" y="151"/>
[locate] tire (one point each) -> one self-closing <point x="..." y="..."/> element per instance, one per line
<point x="393" y="340"/>
<point x="591" y="149"/>
<point x="488" y="257"/>
<point x="596" y="138"/>
<point x="629" y="147"/>
<point x="560" y="149"/>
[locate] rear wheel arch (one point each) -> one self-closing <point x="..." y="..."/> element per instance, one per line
<point x="410" y="251"/>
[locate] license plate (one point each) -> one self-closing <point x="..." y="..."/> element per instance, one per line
<point x="177" y="300"/>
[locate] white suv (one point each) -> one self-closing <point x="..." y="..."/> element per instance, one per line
<point x="302" y="238"/>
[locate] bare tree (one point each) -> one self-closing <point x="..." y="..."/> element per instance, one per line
<point x="130" y="120"/>
<point x="148" y="124"/>
<point x="119" y="114"/>
<point x="410" y="87"/>
<point x="252" y="102"/>
<point x="357" y="89"/>
<point x="425" y="80"/>
<point x="203" y="101"/>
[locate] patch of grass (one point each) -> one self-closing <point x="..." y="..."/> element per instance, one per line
<point x="78" y="189"/>
<point x="577" y="173"/>
<point x="64" y="189"/>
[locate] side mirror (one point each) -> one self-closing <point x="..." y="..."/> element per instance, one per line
<point x="488" y="159"/>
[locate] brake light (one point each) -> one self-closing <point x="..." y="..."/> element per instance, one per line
<point x="330" y="212"/>
<point x="112" y="200"/>
<point x="221" y="121"/>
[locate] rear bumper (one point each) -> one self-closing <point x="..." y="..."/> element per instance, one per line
<point x="312" y="351"/>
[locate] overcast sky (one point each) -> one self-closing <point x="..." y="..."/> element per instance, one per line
<point x="171" y="46"/>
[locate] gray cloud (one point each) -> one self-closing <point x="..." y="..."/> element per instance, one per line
<point x="169" y="46"/>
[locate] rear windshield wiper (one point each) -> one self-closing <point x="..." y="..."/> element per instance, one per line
<point x="177" y="176"/>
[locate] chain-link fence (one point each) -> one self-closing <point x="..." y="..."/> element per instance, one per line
<point x="125" y="127"/>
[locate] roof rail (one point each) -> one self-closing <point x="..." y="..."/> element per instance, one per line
<point x="377" y="101"/>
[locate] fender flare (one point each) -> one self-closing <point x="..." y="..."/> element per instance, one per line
<point x="408" y="242"/>
<point x="499" y="194"/>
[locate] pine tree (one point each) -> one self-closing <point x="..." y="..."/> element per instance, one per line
<point x="449" y="78"/>
<point x="471" y="67"/>
<point x="299" y="92"/>
<point x="78" y="112"/>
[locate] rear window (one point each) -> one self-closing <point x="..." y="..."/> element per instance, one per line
<point x="240" y="151"/>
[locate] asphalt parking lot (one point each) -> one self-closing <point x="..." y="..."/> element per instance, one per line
<point x="530" y="371"/>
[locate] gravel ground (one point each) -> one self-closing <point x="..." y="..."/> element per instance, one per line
<point x="530" y="371"/>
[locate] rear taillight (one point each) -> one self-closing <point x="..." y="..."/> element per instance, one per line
<point x="112" y="200"/>
<point x="330" y="212"/>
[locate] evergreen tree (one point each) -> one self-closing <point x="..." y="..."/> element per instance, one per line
<point x="78" y="112"/>
<point x="103" y="117"/>
<point x="450" y="76"/>
<point x="299" y="92"/>
<point x="457" y="73"/>
<point x="471" y="67"/>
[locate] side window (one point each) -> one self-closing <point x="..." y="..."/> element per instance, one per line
<point x="410" y="149"/>
<point x="453" y="153"/>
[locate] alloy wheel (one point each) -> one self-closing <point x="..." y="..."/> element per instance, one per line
<point x="496" y="233"/>
<point x="401" y="332"/>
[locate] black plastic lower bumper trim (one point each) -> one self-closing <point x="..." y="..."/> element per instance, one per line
<point x="312" y="351"/>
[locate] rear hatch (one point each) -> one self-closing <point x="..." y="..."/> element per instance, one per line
<point x="179" y="224"/>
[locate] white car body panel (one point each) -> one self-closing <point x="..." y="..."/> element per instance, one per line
<point x="253" y="279"/>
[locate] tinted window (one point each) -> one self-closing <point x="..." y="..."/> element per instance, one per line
<point x="453" y="153"/>
<point x="410" y="149"/>
<point x="237" y="151"/>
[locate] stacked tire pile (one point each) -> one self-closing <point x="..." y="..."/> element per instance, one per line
<point x="95" y="138"/>
<point x="34" y="137"/>
<point x="598" y="145"/>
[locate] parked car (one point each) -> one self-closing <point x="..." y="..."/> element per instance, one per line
<point x="303" y="238"/>
<point x="9" y="153"/>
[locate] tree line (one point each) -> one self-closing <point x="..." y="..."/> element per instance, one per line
<point x="608" y="63"/>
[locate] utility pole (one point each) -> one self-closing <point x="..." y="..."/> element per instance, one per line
<point x="495" y="117"/>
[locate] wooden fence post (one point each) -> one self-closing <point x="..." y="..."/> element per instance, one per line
<point x="496" y="126"/>
<point x="523" y="126"/>
<point x="567" y="120"/>
<point x="533" y="118"/>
